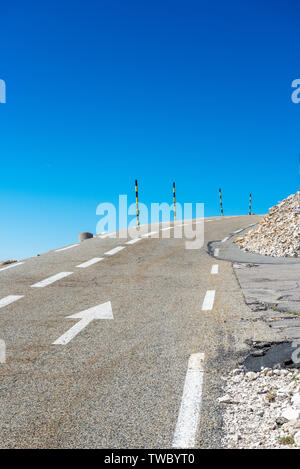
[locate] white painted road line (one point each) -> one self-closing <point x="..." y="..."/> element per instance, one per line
<point x="133" y="241"/>
<point x="149" y="234"/>
<point x="90" y="262"/>
<point x="15" y="264"/>
<point x="216" y="252"/>
<point x="102" y="311"/>
<point x="114" y="250"/>
<point x="169" y="228"/>
<point x="68" y="247"/>
<point x="190" y="408"/>
<point x="52" y="279"/>
<point x="215" y="269"/>
<point x="225" y="239"/>
<point x="9" y="299"/>
<point x="238" y="231"/>
<point x="208" y="301"/>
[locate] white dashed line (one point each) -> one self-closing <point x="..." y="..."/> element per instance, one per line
<point x="208" y="301"/>
<point x="215" y="269"/>
<point x="52" y="279"/>
<point x="9" y="299"/>
<point x="190" y="408"/>
<point x="90" y="262"/>
<point x="15" y="264"/>
<point x="225" y="239"/>
<point x="114" y="250"/>
<point x="216" y="252"/>
<point x="133" y="241"/>
<point x="68" y="247"/>
<point x="149" y="234"/>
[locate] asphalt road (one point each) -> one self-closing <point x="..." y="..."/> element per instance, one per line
<point x="119" y="382"/>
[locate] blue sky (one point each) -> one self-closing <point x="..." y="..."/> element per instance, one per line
<point x="102" y="92"/>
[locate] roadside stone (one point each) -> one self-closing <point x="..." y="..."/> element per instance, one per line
<point x="225" y="399"/>
<point x="250" y="376"/>
<point x="296" y="401"/>
<point x="297" y="439"/>
<point x="281" y="421"/>
<point x="292" y="427"/>
<point x="290" y="413"/>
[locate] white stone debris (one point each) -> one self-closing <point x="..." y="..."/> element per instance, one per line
<point x="261" y="412"/>
<point x="278" y="233"/>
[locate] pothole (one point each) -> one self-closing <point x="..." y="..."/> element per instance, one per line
<point x="281" y="355"/>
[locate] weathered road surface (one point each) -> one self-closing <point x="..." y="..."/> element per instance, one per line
<point x="118" y="383"/>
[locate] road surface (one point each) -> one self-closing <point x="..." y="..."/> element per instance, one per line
<point x="98" y="342"/>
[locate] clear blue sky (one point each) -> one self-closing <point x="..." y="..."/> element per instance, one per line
<point x="102" y="92"/>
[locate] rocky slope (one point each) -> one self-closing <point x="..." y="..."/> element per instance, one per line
<point x="278" y="233"/>
<point x="262" y="410"/>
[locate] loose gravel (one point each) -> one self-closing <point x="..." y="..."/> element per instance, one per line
<point x="262" y="410"/>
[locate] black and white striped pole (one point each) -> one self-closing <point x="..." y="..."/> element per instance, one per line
<point x="174" y="201"/>
<point x="250" y="205"/>
<point x="221" y="202"/>
<point x="137" y="204"/>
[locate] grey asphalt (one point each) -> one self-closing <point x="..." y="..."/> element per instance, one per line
<point x="119" y="383"/>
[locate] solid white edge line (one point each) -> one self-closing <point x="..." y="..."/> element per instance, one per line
<point x="15" y="264"/>
<point x="52" y="279"/>
<point x="114" y="250"/>
<point x="238" y="231"/>
<point x="90" y="262"/>
<point x="190" y="408"/>
<point x="215" y="269"/>
<point x="225" y="239"/>
<point x="208" y="301"/>
<point x="7" y="300"/>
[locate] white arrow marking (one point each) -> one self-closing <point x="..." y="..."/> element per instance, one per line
<point x="102" y="311"/>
